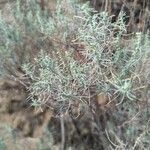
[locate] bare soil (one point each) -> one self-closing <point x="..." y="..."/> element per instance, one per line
<point x="16" y="113"/>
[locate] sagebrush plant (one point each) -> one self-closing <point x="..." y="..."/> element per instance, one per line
<point x="82" y="57"/>
<point x="75" y="53"/>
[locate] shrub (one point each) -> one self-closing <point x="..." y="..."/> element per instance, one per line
<point x="82" y="57"/>
<point x="74" y="54"/>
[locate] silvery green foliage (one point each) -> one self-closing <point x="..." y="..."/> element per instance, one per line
<point x="106" y="64"/>
<point x="29" y="29"/>
<point x="72" y="51"/>
<point x="60" y="80"/>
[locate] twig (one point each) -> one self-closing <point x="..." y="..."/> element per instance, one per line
<point x="110" y="139"/>
<point x="62" y="132"/>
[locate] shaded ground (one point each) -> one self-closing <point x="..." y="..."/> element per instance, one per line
<point x="18" y="119"/>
